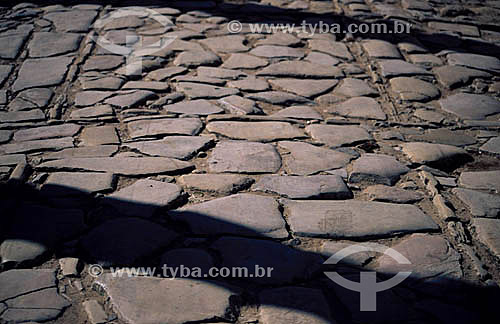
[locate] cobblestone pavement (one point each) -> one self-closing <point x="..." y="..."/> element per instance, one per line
<point x="153" y="135"/>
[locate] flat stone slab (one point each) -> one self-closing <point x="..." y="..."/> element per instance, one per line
<point x="31" y="99"/>
<point x="222" y="183"/>
<point x="12" y="42"/>
<point x="288" y="264"/>
<point x="294" y="305"/>
<point x="101" y="135"/>
<point x="304" y="187"/>
<point x="358" y="259"/>
<point x="199" y="107"/>
<point x="488" y="233"/>
<point x="218" y="73"/>
<point x="196" y="58"/>
<point x="5" y="135"/>
<point x="250" y="84"/>
<point x="277" y="52"/>
<point x="329" y="47"/>
<point x="130" y="98"/>
<point x="177" y="147"/>
<point x="359" y="107"/>
<point x="399" y="68"/>
<point x="475" y="61"/>
<point x="304" y="88"/>
<point x="140" y="300"/>
<point x="492" y="146"/>
<point x="240" y="214"/>
<point x="244" y="61"/>
<point x="189" y="258"/>
<point x="72" y="20"/>
<point x="300" y="69"/>
<point x="41" y="72"/>
<point x="5" y="71"/>
<point x="444" y="136"/>
<point x="167" y="126"/>
<point x="53" y="144"/>
<point x="82" y="152"/>
<point x="480" y="204"/>
<point x="91" y="97"/>
<point x="424" y="153"/>
<point x="77" y="183"/>
<point x="307" y="159"/>
<point x="144" y="197"/>
<point x="30" y="295"/>
<point x="381" y="49"/>
<point x="255" y="131"/>
<point x="200" y="91"/>
<point x="155" y="86"/>
<point x="119" y="165"/>
<point x="335" y="136"/>
<point x="431" y="257"/>
<point x="351" y="87"/>
<point x="12" y="159"/>
<point x="278" y="97"/>
<point x="392" y="194"/>
<point x="238" y="105"/>
<point x="92" y="113"/>
<point x="244" y="157"/>
<point x="412" y="89"/>
<point x="62" y="130"/>
<point x="451" y="76"/>
<point x="355" y="219"/>
<point x="226" y="44"/>
<point x="21" y="116"/>
<point x="377" y="168"/>
<point x="103" y="62"/>
<point x="480" y="180"/>
<point x="44" y="44"/>
<point x="470" y="106"/>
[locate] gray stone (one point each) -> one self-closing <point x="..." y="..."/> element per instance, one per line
<point x="147" y="85"/>
<point x="399" y="68"/>
<point x="144" y="197"/>
<point x="197" y="58"/>
<point x="103" y="62"/>
<point x="42" y="72"/>
<point x="199" y="79"/>
<point x="306" y="159"/>
<point x="250" y="84"/>
<point x="5" y="136"/>
<point x="492" y="146"/>
<point x="470" y="106"/>
<point x="218" y="73"/>
<point x="336" y="49"/>
<point x="188" y="258"/>
<point x="481" y="180"/>
<point x="21" y="116"/>
<point x="244" y="61"/>
<point x="166" y="73"/>
<point x="81" y="152"/>
<point x="94" y="136"/>
<point x="358" y="259"/>
<point x="278" y="97"/>
<point x="355" y="219"/>
<point x="12" y="42"/>
<point x="451" y="76"/>
<point x="239" y="214"/>
<point x="238" y="105"/>
<point x="321" y="59"/>
<point x="5" y="71"/>
<point x="178" y="147"/>
<point x="200" y="91"/>
<point x="488" y="233"/>
<point x="62" y="130"/>
<point x="31" y="99"/>
<point x="287" y="264"/>
<point x="222" y="183"/>
<point x="226" y="44"/>
<point x="301" y="70"/>
<point x="465" y="30"/>
<point x="92" y="113"/>
<point x="305" y="88"/>
<point x="244" y="157"/>
<point x="12" y="159"/>
<point x="122" y="241"/>
<point x="77" y="183"/>
<point x="318" y="186"/>
<point x="335" y="136"/>
<point x="282" y="39"/>
<point x="360" y="107"/>
<point x="392" y="194"/>
<point x="90" y="98"/>
<point x="72" y="20"/>
<point x="381" y="49"/>
<point x="131" y="98"/>
<point x="377" y="168"/>
<point x="294" y="305"/>
<point x="69" y="266"/>
<point x="426" y="60"/>
<point x="37" y="145"/>
<point x="101" y="83"/>
<point x="95" y="312"/>
<point x="475" y="61"/>
<point x="167" y="126"/>
<point x="480" y="204"/>
<point x="412" y="89"/>
<point x="277" y="52"/>
<point x="351" y="87"/>
<point x="299" y="112"/>
<point x="140" y="300"/>
<point x="200" y="107"/>
<point x="46" y="44"/>
<point x="429" y="115"/>
<point x="444" y="136"/>
<point x="119" y="165"/>
<point x="423" y="153"/>
<point x="255" y="131"/>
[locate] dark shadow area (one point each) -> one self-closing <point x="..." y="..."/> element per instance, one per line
<point x="62" y="222"/>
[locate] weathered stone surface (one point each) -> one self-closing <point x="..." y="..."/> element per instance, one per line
<point x="480" y="204"/>
<point x="244" y="157"/>
<point x="5" y="136"/>
<point x="381" y="49"/>
<point x="392" y="194"/>
<point x="11" y="42"/>
<point x="72" y="20"/>
<point x="222" y="183"/>
<point x="123" y="241"/>
<point x="31" y="99"/>
<point x="321" y="59"/>
<point x="488" y="233"/>
<point x="5" y="71"/>
<point x="83" y="152"/>
<point x="77" y="183"/>
<point x="475" y="61"/>
<point x="12" y="159"/>
<point x="305" y="88"/>
<point x="318" y="186"/>
<point x="255" y="131"/>
<point x="431" y="258"/>
<point x="200" y="91"/>
<point x="144" y="197"/>
<point x="412" y="89"/>
<point x="481" y="180"/>
<point x="69" y="266"/>
<point x="226" y="44"/>
<point x="46" y="44"/>
<point x="282" y="39"/>
<point x="294" y="305"/>
<point x="166" y="73"/>
<point x="299" y="112"/>
<point x="399" y="68"/>
<point x="377" y="168"/>
<point x="444" y="136"/>
<point x="470" y="106"/>
<point x="95" y="311"/>
<point x="178" y="147"/>
<point x="62" y="130"/>
<point x="218" y="73"/>
<point x="53" y="144"/>
<point x="103" y="62"/>
<point x="193" y="107"/>
<point x="42" y="72"/>
<point x="167" y="126"/>
<point x="21" y="116"/>
<point x="277" y="97"/>
<point x="240" y="214"/>
<point x="335" y="136"/>
<point x="492" y="146"/>
<point x="244" y="61"/>
<point x="90" y="98"/>
<point x="249" y="84"/>
<point x="301" y="70"/>
<point x="358" y="259"/>
<point x="130" y="98"/>
<point x="451" y="76"/>
<point x="212" y="299"/>
<point x="360" y="107"/>
<point x="197" y="58"/>
<point x="355" y="219"/>
<point x="329" y="47"/>
<point x="92" y="113"/>
<point x="119" y="165"/>
<point x="424" y="153"/>
<point x="238" y="105"/>
<point x="276" y="52"/>
<point x="351" y="87"/>
<point x="306" y="159"/>
<point x="101" y="83"/>
<point x="155" y="86"/>
<point x="288" y="264"/>
<point x="93" y="136"/>
<point x="30" y="295"/>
